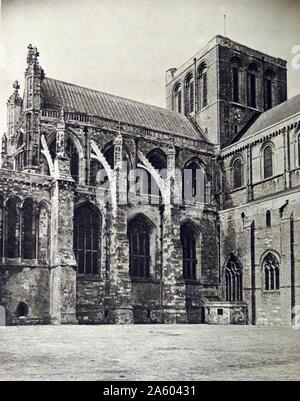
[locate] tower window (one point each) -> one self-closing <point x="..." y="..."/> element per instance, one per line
<point x="268" y="91"/>
<point x="251" y="85"/>
<point x="271" y="273"/>
<point x="202" y="87"/>
<point x="236" y="84"/>
<point x="189" y="95"/>
<point x="178" y="98"/>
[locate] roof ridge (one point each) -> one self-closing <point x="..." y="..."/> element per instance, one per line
<point x="120" y="97"/>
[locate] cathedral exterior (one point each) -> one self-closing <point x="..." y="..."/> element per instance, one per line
<point x="113" y="211"/>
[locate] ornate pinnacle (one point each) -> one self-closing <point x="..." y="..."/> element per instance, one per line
<point x="16" y="87"/>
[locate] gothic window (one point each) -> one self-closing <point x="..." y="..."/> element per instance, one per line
<point x="202" y="87"/>
<point x="271" y="272"/>
<point x="86" y="239"/>
<point x="268" y="90"/>
<point x="237" y="174"/>
<point x="268" y="219"/>
<point x="188" y="236"/>
<point x="189" y="95"/>
<point x="268" y="161"/>
<point x="178" y="98"/>
<point x="1" y="226"/>
<point x="234" y="280"/>
<point x="20" y="140"/>
<point x="139" y="231"/>
<point x="235" y="71"/>
<point x="251" y="85"/>
<point x="194" y="182"/>
<point x="13" y="227"/>
<point x="29" y="232"/>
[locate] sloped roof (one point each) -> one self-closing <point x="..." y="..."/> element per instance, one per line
<point x="273" y="116"/>
<point x="77" y="98"/>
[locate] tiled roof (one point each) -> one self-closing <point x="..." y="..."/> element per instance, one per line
<point x="273" y="116"/>
<point x="77" y="98"/>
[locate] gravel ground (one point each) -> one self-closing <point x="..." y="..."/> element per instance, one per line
<point x="149" y="352"/>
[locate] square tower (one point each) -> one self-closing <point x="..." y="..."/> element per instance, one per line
<point x="225" y="86"/>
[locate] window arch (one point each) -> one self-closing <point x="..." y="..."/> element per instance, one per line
<point x="177" y="96"/>
<point x="194" y="182"/>
<point x="237" y="168"/>
<point x="252" y="84"/>
<point x="86" y="239"/>
<point x="188" y="237"/>
<point x="139" y="231"/>
<point x="29" y="230"/>
<point x="271" y="272"/>
<point x="189" y="94"/>
<point x="235" y="71"/>
<point x="234" y="279"/>
<point x="158" y="159"/>
<point x="268" y="161"/>
<point x="12" y="229"/>
<point x="202" y="87"/>
<point x="268" y="89"/>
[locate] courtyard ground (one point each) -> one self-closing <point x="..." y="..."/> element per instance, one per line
<point x="149" y="352"/>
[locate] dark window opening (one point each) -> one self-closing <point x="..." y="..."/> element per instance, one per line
<point x="236" y="84"/>
<point x="271" y="273"/>
<point x="268" y="93"/>
<point x="12" y="239"/>
<point x="86" y="243"/>
<point x="29" y="237"/>
<point x="268" y="218"/>
<point x="22" y="310"/>
<point x="139" y="247"/>
<point x="220" y="312"/>
<point x="268" y="162"/>
<point x="252" y="90"/>
<point x="188" y="236"/>
<point x="189" y="95"/>
<point x="234" y="280"/>
<point x="194" y="182"/>
<point x="237" y="174"/>
<point x="178" y="99"/>
<point x="202" y="88"/>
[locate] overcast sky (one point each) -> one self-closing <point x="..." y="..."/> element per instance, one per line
<point x="125" y="46"/>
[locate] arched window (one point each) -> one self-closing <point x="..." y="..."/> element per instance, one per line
<point x="234" y="280"/>
<point x="235" y="71"/>
<point x="43" y="237"/>
<point x="86" y="239"/>
<point x="178" y="98"/>
<point x="194" y="182"/>
<point x="188" y="236"/>
<point x="20" y="140"/>
<point x="29" y="231"/>
<point x="12" y="229"/>
<point x="268" y="89"/>
<point x="1" y="227"/>
<point x="139" y="230"/>
<point x="189" y="94"/>
<point x="268" y="219"/>
<point x="202" y="87"/>
<point x="268" y="161"/>
<point x="271" y="272"/>
<point x="251" y="85"/>
<point x="237" y="173"/>
<point x="22" y="310"/>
